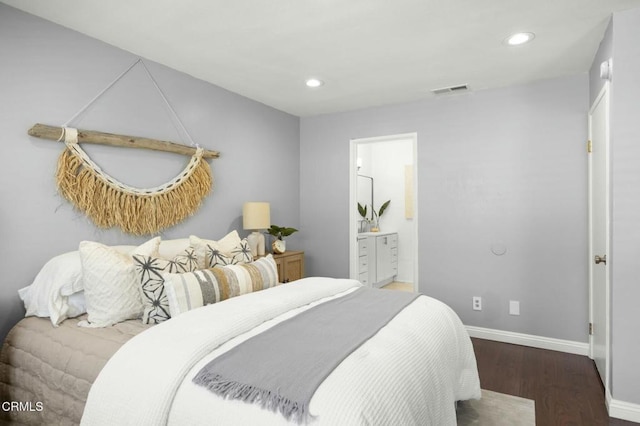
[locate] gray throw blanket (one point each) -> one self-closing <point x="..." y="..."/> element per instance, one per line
<point x="282" y="367"/>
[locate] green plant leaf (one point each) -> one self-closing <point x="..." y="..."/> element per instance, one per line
<point x="384" y="207"/>
<point x="362" y="210"/>
<point x="274" y="230"/>
<point x="280" y="231"/>
<point x="288" y="231"/>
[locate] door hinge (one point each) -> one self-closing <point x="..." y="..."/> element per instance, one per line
<point x="589" y="146"/>
<point x="590" y="329"/>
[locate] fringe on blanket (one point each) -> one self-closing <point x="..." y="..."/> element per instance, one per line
<point x="141" y="212"/>
<point x="292" y="410"/>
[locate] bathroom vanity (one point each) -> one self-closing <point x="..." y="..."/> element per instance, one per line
<point x="377" y="258"/>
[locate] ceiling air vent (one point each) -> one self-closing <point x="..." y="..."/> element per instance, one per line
<point x="451" y="89"/>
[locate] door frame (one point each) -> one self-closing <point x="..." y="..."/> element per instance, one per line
<point x="353" y="200"/>
<point x="603" y="96"/>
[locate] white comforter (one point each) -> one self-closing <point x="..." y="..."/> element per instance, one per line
<point x="410" y="373"/>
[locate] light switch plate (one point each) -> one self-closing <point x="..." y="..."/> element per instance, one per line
<point x="514" y="307"/>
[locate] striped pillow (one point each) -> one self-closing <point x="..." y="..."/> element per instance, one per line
<point x="203" y="287"/>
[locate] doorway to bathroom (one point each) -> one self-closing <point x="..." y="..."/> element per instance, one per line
<point x="383" y="239"/>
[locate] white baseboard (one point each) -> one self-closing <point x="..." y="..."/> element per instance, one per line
<point x="533" y="341"/>
<point x="623" y="410"/>
<point x="618" y="409"/>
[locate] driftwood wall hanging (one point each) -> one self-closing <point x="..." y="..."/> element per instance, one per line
<point x="108" y="202"/>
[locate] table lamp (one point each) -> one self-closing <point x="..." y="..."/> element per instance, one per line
<point x="256" y="217"/>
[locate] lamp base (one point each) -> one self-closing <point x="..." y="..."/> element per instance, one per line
<point x="256" y="243"/>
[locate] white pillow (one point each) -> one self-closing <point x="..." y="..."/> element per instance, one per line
<point x="44" y="297"/>
<point x="109" y="280"/>
<point x="77" y="304"/>
<point x="172" y="248"/>
<point x="59" y="278"/>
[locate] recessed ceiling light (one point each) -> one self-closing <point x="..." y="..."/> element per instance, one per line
<point x="519" y="38"/>
<point x="314" y="82"/>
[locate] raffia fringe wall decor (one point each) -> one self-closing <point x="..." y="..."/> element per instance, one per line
<point x="110" y="203"/>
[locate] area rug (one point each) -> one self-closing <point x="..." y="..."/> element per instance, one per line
<point x="497" y="409"/>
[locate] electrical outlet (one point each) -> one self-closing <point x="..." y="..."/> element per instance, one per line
<point x="514" y="307"/>
<point x="477" y="303"/>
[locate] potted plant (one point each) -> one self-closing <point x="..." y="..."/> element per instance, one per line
<point x="375" y="216"/>
<point x="278" y="245"/>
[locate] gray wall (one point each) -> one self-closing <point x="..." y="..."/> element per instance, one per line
<point x="48" y="73"/>
<point x="625" y="175"/>
<point x="503" y="166"/>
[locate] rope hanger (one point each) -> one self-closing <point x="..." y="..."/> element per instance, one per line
<point x="56" y="133"/>
<point x="108" y="202"/>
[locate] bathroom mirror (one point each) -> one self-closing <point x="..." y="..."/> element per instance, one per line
<point x="365" y="198"/>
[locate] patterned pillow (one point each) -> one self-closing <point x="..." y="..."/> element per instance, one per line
<point x="224" y="245"/>
<point x="204" y="287"/>
<point x="152" y="286"/>
<point x="216" y="254"/>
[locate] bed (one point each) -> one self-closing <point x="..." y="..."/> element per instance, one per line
<point x="412" y="371"/>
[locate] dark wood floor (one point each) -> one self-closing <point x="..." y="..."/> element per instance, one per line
<point x="566" y="388"/>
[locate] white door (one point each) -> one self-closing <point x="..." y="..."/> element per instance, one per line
<point x="599" y="223"/>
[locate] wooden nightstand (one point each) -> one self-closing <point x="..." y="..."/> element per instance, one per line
<point x="290" y="265"/>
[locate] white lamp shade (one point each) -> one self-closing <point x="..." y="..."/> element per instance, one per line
<point x="256" y="215"/>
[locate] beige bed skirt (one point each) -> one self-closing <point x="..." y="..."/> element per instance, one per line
<point x="46" y="372"/>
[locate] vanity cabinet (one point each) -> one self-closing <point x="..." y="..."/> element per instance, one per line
<point x="363" y="261"/>
<point x="377" y="258"/>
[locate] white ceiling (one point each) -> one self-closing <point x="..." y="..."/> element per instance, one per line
<point x="368" y="52"/>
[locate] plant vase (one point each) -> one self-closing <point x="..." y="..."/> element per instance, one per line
<point x="279" y="232"/>
<point x="375" y="216"/>
<point x="278" y="246"/>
